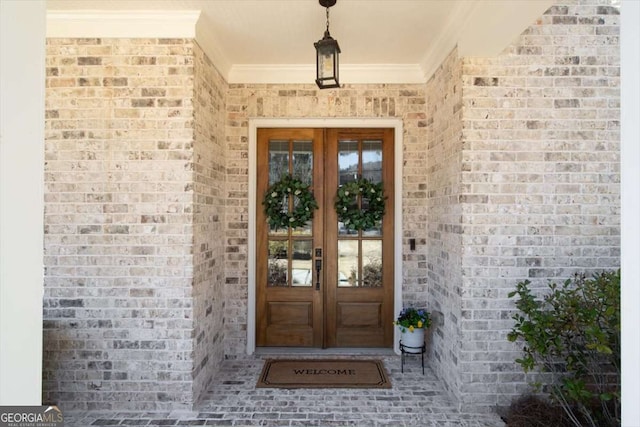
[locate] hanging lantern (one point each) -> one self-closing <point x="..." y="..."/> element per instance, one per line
<point x="327" y="53"/>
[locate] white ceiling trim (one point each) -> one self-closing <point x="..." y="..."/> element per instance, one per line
<point x="448" y="38"/>
<point x="497" y="24"/>
<point x="306" y="73"/>
<point x="134" y="24"/>
<point x="190" y="24"/>
<point x="482" y="29"/>
<point x="207" y="41"/>
<point x="477" y="28"/>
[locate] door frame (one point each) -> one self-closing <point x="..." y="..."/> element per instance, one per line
<point x="254" y="125"/>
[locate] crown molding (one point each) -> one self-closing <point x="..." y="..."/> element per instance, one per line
<point x="212" y="48"/>
<point x="497" y="25"/>
<point x="482" y="29"/>
<point x="474" y="28"/>
<point x="448" y="39"/>
<point x="133" y="23"/>
<point x="190" y="24"/>
<point x="306" y="73"/>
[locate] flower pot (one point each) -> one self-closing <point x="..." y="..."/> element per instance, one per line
<point x="412" y="341"/>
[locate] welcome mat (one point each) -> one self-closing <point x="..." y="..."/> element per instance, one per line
<point x="323" y="373"/>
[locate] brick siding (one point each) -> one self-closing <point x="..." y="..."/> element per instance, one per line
<point x="511" y="172"/>
<point x="132" y="192"/>
<point x="535" y="135"/>
<point x="208" y="220"/>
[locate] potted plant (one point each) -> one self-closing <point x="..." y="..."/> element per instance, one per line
<point x="412" y="323"/>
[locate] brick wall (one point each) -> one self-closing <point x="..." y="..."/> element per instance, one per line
<point x="510" y="172"/>
<point x="126" y="189"/>
<point x="444" y="242"/>
<point x="537" y="189"/>
<point x="208" y="219"/>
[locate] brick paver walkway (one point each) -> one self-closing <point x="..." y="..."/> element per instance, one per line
<point x="413" y="400"/>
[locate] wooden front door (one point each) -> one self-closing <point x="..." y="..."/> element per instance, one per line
<point x="324" y="284"/>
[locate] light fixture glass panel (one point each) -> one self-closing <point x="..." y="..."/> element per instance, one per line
<point x="301" y="270"/>
<point x="326" y="64"/>
<point x="278" y="160"/>
<point x="278" y="264"/>
<point x="348" y="255"/>
<point x="371" y="263"/>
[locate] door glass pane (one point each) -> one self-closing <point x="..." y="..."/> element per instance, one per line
<point x="301" y="272"/>
<point x="347" y="161"/>
<point x="303" y="161"/>
<point x="374" y="231"/>
<point x="344" y="231"/>
<point x="372" y="263"/>
<point x="301" y="168"/>
<point x="360" y="256"/>
<point x="372" y="170"/>
<point x="278" y="160"/>
<point x="284" y="208"/>
<point x="348" y="274"/>
<point x="289" y="258"/>
<point x="278" y="263"/>
<point x="305" y="230"/>
<point x="372" y="160"/>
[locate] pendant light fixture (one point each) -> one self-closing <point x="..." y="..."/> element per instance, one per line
<point x="327" y="52"/>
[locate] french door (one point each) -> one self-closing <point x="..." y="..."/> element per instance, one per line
<point x="324" y="283"/>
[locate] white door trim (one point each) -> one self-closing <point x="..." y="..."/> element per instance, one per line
<point x="254" y="125"/>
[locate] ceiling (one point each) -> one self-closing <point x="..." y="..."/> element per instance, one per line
<point x="382" y="41"/>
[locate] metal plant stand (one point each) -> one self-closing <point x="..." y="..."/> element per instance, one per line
<point x="405" y="350"/>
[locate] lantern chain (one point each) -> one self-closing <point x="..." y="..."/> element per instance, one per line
<point x="327" y="19"/>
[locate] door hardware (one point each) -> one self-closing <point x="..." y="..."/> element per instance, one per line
<point x="318" y="268"/>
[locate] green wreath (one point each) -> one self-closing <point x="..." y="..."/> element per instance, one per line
<point x="276" y="206"/>
<point x="350" y="214"/>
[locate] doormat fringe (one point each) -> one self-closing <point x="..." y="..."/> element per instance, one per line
<point x="323" y="373"/>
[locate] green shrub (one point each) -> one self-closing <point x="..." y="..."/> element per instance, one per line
<point x="573" y="333"/>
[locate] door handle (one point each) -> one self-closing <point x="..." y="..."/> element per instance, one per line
<point x="318" y="268"/>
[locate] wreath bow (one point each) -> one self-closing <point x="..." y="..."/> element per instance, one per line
<point x="276" y="203"/>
